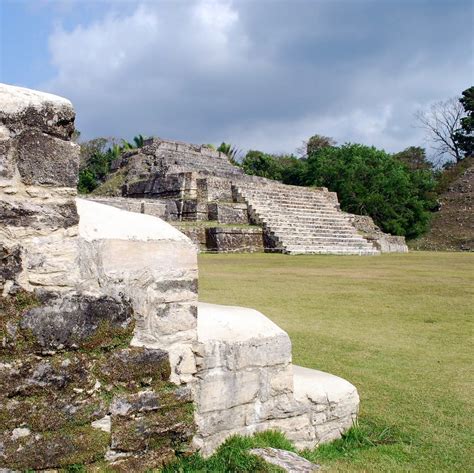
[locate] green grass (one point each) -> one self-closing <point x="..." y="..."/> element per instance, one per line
<point x="233" y="456"/>
<point x="399" y="327"/>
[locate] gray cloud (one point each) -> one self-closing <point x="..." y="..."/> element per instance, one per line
<point x="264" y="74"/>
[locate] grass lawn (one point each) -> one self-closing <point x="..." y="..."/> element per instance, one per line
<point x="399" y="327"/>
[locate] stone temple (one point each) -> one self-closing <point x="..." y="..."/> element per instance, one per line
<point x="222" y="209"/>
<point x="106" y="357"/>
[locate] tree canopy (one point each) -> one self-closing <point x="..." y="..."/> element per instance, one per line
<point x="372" y="182"/>
<point x="465" y="134"/>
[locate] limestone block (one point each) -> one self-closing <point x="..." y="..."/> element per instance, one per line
<point x="235" y="239"/>
<point x="50" y="262"/>
<point x="154" y="266"/>
<point x="22" y="108"/>
<point x="69" y="320"/>
<point x="38" y="216"/>
<point x="236" y="338"/>
<point x="220" y="389"/>
<point x="288" y="461"/>
<point x="156" y="209"/>
<point x="219" y="189"/>
<point x="232" y="213"/>
<point x="6" y="155"/>
<point x="47" y="160"/>
<point x="333" y="401"/>
<point x="235" y="417"/>
<point x="298" y="429"/>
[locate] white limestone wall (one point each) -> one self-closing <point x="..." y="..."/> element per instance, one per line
<point x="247" y="384"/>
<point x="152" y="264"/>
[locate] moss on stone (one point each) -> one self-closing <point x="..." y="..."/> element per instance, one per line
<point x="134" y="367"/>
<point x="13" y="340"/>
<point x="107" y="337"/>
<point x="56" y="449"/>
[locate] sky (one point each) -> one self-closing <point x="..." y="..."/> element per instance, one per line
<point x="260" y="74"/>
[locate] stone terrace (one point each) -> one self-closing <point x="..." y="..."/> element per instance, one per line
<point x="302" y="220"/>
<point x="197" y="183"/>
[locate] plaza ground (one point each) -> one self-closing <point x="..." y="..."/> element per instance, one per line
<point x="397" y="326"/>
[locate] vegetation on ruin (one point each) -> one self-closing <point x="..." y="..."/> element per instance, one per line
<point x="97" y="156"/>
<point x="398" y="326"/>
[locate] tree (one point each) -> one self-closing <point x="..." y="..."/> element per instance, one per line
<point x="317" y="142"/>
<point x="231" y="151"/>
<point x="414" y="157"/>
<point x="258" y="163"/>
<point x="465" y="135"/>
<point x="372" y="182"/>
<point x="96" y="157"/>
<point x="442" y="122"/>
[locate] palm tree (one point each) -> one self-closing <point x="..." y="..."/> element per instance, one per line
<point x="231" y="151"/>
<point x="139" y="141"/>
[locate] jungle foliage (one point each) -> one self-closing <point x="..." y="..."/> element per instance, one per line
<point x="96" y="158"/>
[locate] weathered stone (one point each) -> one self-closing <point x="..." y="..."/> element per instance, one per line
<point x="33" y="376"/>
<point x="47" y="160"/>
<point x="37" y="216"/>
<point x="6" y="155"/>
<point x="10" y="264"/>
<point x="383" y="241"/>
<point x="78" y="320"/>
<point x="137" y="365"/>
<point x="229" y="213"/>
<point x="158" y="428"/>
<point x="247" y="384"/>
<point x="22" y="108"/>
<point x="50" y="411"/>
<point x="54" y="449"/>
<point x="73" y="298"/>
<point x="288" y="461"/>
<point x="150" y="400"/>
<point x="234" y="239"/>
<point x="145" y="461"/>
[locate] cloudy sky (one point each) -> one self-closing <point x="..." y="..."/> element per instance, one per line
<point x="261" y="74"/>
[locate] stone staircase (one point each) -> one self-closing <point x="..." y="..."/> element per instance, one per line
<point x="301" y="220"/>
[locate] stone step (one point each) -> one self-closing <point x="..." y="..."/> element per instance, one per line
<point x="284" y="199"/>
<point x="288" y="219"/>
<point x="298" y="213"/>
<point x="301" y="233"/>
<point x="327" y="250"/>
<point x="272" y="205"/>
<point x="304" y="236"/>
<point x="303" y="221"/>
<point x="310" y="240"/>
<point x="282" y="189"/>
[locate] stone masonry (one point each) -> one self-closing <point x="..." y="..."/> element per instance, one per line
<point x="195" y="183"/>
<point x="106" y="358"/>
<point x="89" y="342"/>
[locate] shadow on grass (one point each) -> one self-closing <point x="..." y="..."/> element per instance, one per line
<point x="233" y="456"/>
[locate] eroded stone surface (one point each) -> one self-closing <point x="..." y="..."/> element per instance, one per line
<point x="44" y="159"/>
<point x="247" y="383"/>
<point x="74" y="319"/>
<point x="288" y="461"/>
<point x="73" y="295"/>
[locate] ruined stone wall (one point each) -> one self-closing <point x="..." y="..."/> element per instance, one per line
<point x="384" y="242"/>
<point x="92" y="328"/>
